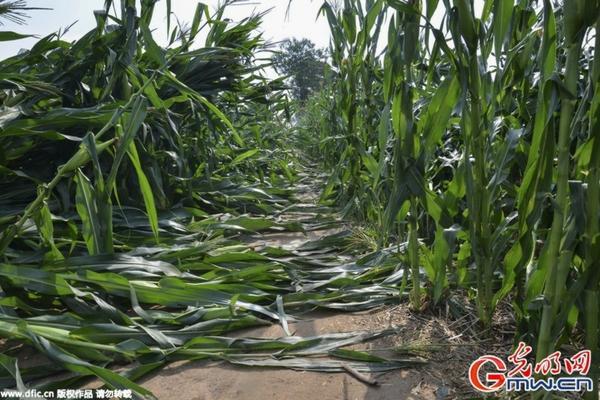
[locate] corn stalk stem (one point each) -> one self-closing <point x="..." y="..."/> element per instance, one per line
<point x="591" y="294"/>
<point x="558" y="263"/>
<point x="413" y="255"/>
<point x="480" y="200"/>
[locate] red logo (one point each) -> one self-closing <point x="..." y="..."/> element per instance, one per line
<point x="521" y="376"/>
<point x="495" y="380"/>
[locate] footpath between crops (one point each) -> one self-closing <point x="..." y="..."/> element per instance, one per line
<point x="444" y="343"/>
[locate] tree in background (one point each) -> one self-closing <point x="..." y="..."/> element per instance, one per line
<point x="304" y="63"/>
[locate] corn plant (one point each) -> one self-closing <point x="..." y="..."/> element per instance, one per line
<point x="506" y="107"/>
<point x="355" y="30"/>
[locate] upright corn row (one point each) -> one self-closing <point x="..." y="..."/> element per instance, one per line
<point x="491" y="143"/>
<point x="352" y="116"/>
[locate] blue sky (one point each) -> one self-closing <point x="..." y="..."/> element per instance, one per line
<point x="301" y="21"/>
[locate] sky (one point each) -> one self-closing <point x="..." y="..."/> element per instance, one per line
<point x="301" y="23"/>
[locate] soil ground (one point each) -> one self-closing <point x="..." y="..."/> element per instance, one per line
<point x="216" y="381"/>
<point x="442" y="376"/>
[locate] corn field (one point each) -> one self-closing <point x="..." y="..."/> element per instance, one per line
<point x="463" y="135"/>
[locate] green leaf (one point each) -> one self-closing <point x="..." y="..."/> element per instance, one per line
<point x="88" y="212"/>
<point x="503" y="10"/>
<point x="245" y="155"/>
<point x="6" y="36"/>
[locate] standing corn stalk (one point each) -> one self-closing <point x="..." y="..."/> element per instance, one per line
<point x="592" y="237"/>
<point x="578" y="17"/>
<point x="408" y="164"/>
<point x="475" y="128"/>
<point x="353" y="115"/>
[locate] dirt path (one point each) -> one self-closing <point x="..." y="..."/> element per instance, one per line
<point x="222" y="381"/>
